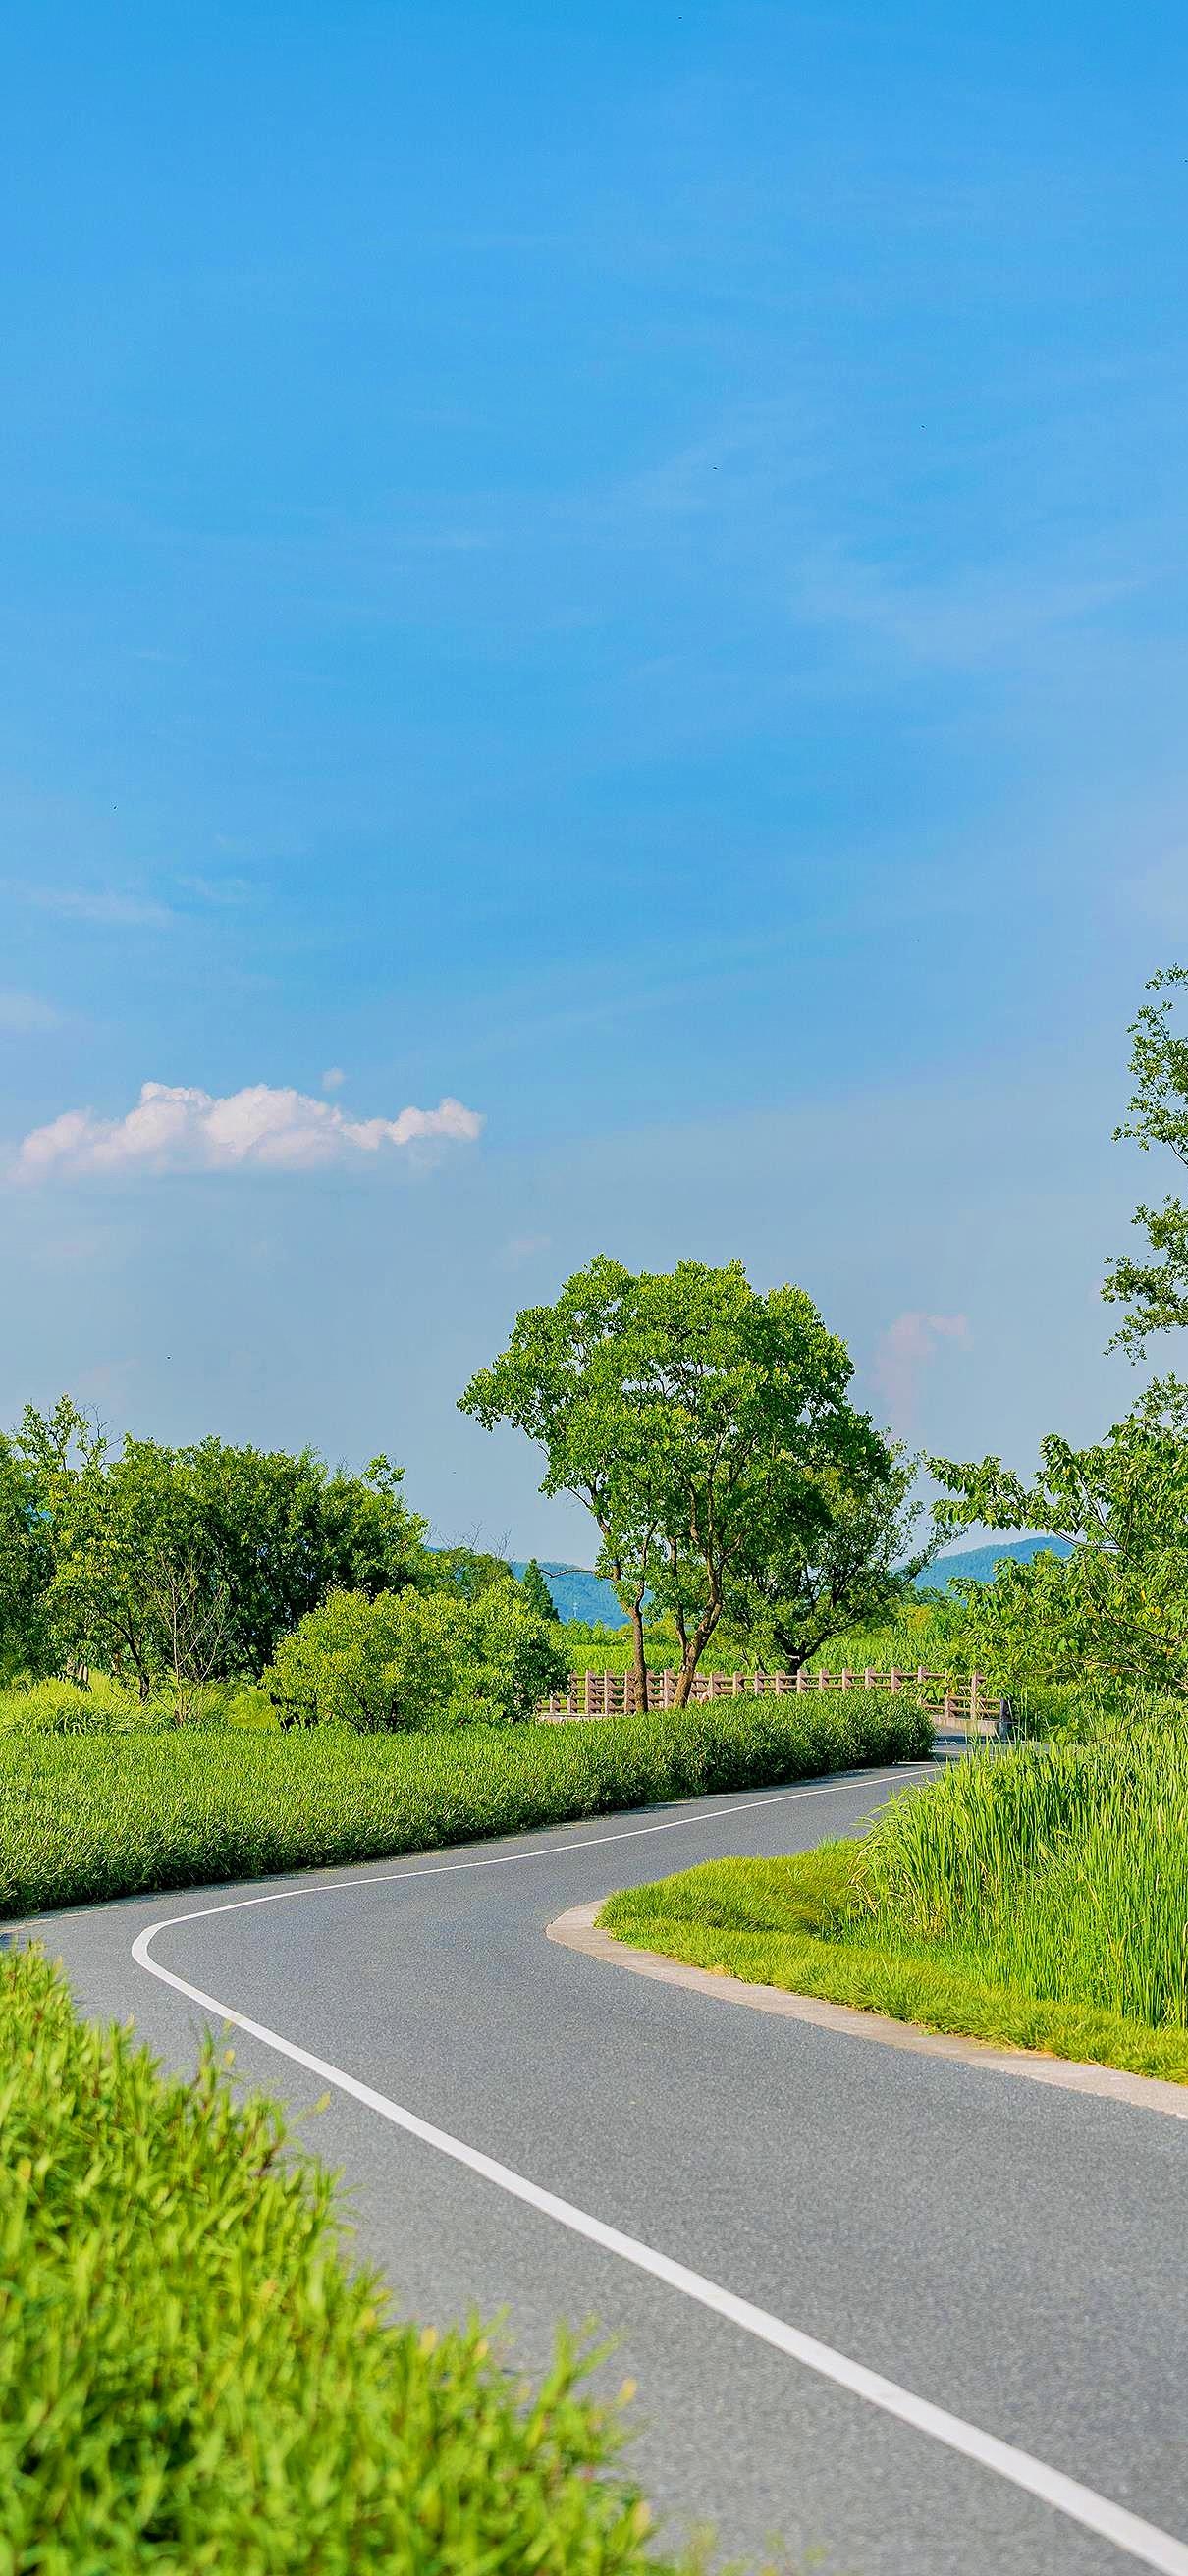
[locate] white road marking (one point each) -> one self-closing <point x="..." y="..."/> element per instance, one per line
<point x="1127" y="2531"/>
<point x="541" y="1851"/>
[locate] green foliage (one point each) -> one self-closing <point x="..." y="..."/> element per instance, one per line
<point x="1036" y="1897"/>
<point x="192" y="2378"/>
<point x="1156" y="1291"/>
<point x="466" y="1570"/>
<point x="1117" y="1608"/>
<point x="411" y="1659"/>
<point x="185" y="1565"/>
<point x="369" y="1664"/>
<point x="1061" y="1869"/>
<point x="86" y="1818"/>
<point x="26" y="1565"/>
<point x="535" y="1591"/>
<point x="701" y="1423"/>
<point x="845" y="1564"/>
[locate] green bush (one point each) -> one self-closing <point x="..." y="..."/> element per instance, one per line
<point x="416" y="1659"/>
<point x="191" y="2378"/>
<point x="82" y="1819"/>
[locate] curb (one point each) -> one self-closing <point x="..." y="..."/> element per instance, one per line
<point x="577" y="1930"/>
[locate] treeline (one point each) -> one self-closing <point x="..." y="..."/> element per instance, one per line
<point x="172" y="1568"/>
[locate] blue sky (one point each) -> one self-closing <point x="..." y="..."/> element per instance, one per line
<point x="627" y="572"/>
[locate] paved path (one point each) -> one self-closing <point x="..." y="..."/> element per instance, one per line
<point x="1016" y="2257"/>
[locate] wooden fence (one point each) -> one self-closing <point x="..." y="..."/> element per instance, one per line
<point x="954" y="1701"/>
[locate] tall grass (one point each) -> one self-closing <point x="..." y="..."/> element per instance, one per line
<point x="191" y="2377"/>
<point x="1060" y="1869"/>
<point x="84" y="1817"/>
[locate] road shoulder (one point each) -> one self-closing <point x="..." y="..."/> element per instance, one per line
<point x="577" y="1929"/>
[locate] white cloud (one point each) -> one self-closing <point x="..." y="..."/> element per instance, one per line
<point x="904" y="1351"/>
<point x="26" y="1015"/>
<point x="333" y="1078"/>
<point x="174" y="1128"/>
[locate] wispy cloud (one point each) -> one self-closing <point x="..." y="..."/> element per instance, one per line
<point x="224" y="892"/>
<point x="26" y="1015"/>
<point x="333" y="1078"/>
<point x="174" y="1128"/>
<point x="902" y="1354"/>
<point x="111" y="907"/>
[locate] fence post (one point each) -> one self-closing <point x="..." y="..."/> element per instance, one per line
<point x="895" y="1678"/>
<point x="589" y="1694"/>
<point x="868" y="1679"/>
<point x="847" y="1678"/>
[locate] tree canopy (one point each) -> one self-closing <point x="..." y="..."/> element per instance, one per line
<point x="697" y="1420"/>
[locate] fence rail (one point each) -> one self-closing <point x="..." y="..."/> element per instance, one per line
<point x="955" y="1701"/>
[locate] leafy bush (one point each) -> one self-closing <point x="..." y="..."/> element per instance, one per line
<point x="84" y="1819"/>
<point x="412" y="1659"/>
<point x="190" y="2377"/>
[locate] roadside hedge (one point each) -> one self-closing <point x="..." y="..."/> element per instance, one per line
<point x="192" y="2380"/>
<point x="88" y="1817"/>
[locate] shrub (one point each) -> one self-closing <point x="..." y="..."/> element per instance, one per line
<point x="416" y="1659"/>
<point x="510" y="1660"/>
<point x="190" y="2376"/>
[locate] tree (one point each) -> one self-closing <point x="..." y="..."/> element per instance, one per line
<point x="844" y="1564"/>
<point x="468" y="1571"/>
<point x="1156" y="1291"/>
<point x="1117" y="1608"/>
<point x="416" y="1659"/>
<point x="692" y="1416"/>
<point x="535" y="1593"/>
<point x="210" y="1553"/>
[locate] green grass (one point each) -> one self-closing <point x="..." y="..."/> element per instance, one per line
<point x="1036" y="1898"/>
<point x="105" y="1707"/>
<point x="192" y="2380"/>
<point x="87" y="1817"/>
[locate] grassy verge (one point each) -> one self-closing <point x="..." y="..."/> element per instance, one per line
<point x="83" y="1818"/>
<point x="1036" y="1899"/>
<point x="192" y="2379"/>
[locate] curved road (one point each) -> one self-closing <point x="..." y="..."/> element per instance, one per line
<point x="514" y="2119"/>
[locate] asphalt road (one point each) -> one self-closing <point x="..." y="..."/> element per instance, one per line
<point x="1016" y="2256"/>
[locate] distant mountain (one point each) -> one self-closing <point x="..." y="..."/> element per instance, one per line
<point x="976" y="1564"/>
<point x="578" y="1594"/>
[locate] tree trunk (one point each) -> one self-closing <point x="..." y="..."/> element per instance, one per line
<point x="694" y="1650"/>
<point x="641" y="1669"/>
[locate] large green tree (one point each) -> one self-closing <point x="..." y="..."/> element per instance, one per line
<point x="695" y="1419"/>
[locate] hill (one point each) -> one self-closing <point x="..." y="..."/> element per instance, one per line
<point x="976" y="1564"/>
<point x="579" y="1594"/>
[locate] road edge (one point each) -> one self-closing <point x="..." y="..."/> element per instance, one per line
<point x="577" y="1929"/>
